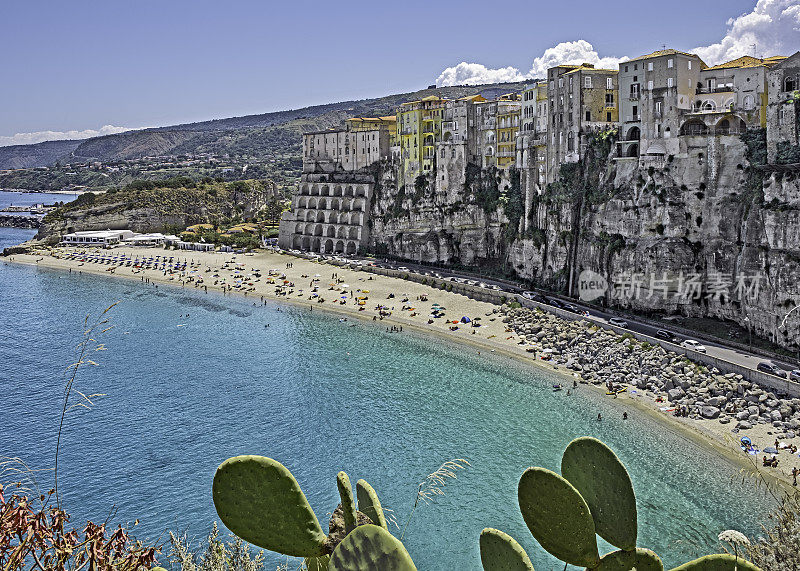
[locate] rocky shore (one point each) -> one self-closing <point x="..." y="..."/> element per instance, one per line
<point x="17" y="221"/>
<point x="598" y="356"/>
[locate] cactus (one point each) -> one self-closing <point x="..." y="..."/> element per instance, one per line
<point x="602" y="480"/>
<point x="317" y="563"/>
<point x="558" y="517"/>
<point x="718" y="562"/>
<point x="370" y="547"/>
<point x="501" y="552"/>
<point x="369" y="504"/>
<point x="259" y="500"/>
<point x="639" y="559"/>
<point x="348" y="502"/>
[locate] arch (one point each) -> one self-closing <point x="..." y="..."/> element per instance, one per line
<point x="314" y="190"/>
<point x="320" y="216"/>
<point x="728" y="105"/>
<point x="318" y="230"/>
<point x="349" y="192"/>
<point x="302" y="202"/>
<point x="335" y="203"/>
<point x="315" y="244"/>
<point x="633" y="150"/>
<point x="327" y="246"/>
<point x="748" y="102"/>
<point x="489" y="151"/>
<point x="324" y="190"/>
<point x="667" y="132"/>
<point x="634" y="134"/>
<point x="355" y="219"/>
<point x="351" y="248"/>
<point x="306" y="243"/>
<point x="789" y="84"/>
<point x="361" y="192"/>
<point x="730" y="125"/>
<point x="428" y="141"/>
<point x="694" y="127"/>
<point x="299" y="227"/>
<point x="322" y="204"/>
<point x="353" y="233"/>
<point x="338" y="248"/>
<point x="708" y="106"/>
<point x="341" y="232"/>
<point x="297" y="242"/>
<point x="331" y="231"/>
<point x="337" y="190"/>
<point x="490" y="137"/>
<point x="448" y="136"/>
<point x="309" y="216"/>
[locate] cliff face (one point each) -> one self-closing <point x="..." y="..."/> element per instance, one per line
<point x="655" y="230"/>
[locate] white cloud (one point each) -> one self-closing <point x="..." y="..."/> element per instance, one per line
<point x="576" y="52"/>
<point x="40" y="136"/>
<point x="773" y="26"/>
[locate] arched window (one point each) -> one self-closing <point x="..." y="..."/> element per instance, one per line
<point x="489" y="151"/>
<point x="709" y="105"/>
<point x="789" y="84"/>
<point x="747" y="102"/>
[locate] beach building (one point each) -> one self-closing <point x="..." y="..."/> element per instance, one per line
<point x="96" y="237"/>
<point x="150" y="240"/>
<point x="196" y="246"/>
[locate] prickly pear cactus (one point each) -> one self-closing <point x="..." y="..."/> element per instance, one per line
<point x="558" y="517"/>
<point x="602" y="480"/>
<point x="369" y="504"/>
<point x="348" y="502"/>
<point x="317" y="563"/>
<point x="639" y="559"/>
<point x="369" y="548"/>
<point x="718" y="562"/>
<point x="259" y="500"/>
<point x="501" y="552"/>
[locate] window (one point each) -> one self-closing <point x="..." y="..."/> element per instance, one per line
<point x="789" y="84"/>
<point x="669" y="81"/>
<point x="650" y="85"/>
<point x="608" y="116"/>
<point x="587" y="82"/>
<point x="561" y="82"/>
<point x="649" y="66"/>
<point x="670" y="63"/>
<point x="609" y="83"/>
<point x="588" y="115"/>
<point x="626" y="68"/>
<point x="609" y="100"/>
<point x="570" y="142"/>
<point x="690" y="64"/>
<point x="747" y="103"/>
<point x="635" y="67"/>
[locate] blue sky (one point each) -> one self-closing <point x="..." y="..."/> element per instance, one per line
<point x="75" y="66"/>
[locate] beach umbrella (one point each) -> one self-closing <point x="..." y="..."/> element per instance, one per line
<point x="465" y="319"/>
<point x="770" y="450"/>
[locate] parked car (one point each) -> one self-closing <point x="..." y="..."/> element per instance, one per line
<point x="794" y="375"/>
<point x="694" y="345"/>
<point x="553" y="302"/>
<point x="771" y="368"/>
<point x="529" y="294"/>
<point x="402" y="269"/>
<point x="618" y="322"/>
<point x="667" y="336"/>
<point x="572" y="307"/>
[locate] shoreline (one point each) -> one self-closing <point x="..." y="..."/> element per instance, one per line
<point x="491" y="336"/>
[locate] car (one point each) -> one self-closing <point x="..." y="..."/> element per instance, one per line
<point x="794" y="375"/>
<point x="495" y="287"/>
<point x="403" y="269"/>
<point x="618" y="322"/>
<point x="667" y="336"/>
<point x="553" y="302"/>
<point x="771" y="368"/>
<point x="529" y="294"/>
<point x="572" y="307"/>
<point x="693" y="345"/>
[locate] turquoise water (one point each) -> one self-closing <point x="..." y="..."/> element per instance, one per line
<point x="320" y="396"/>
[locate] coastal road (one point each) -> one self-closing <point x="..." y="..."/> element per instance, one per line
<point x="713" y="348"/>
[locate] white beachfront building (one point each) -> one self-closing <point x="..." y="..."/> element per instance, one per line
<point x="96" y="237"/>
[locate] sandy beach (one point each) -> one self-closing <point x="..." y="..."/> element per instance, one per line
<point x="396" y="304"/>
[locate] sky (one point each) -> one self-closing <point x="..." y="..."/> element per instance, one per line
<point x="82" y="68"/>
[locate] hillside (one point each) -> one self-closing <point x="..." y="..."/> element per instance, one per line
<point x="255" y="137"/>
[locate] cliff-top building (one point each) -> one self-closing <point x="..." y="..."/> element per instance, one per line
<point x="783" y="105"/>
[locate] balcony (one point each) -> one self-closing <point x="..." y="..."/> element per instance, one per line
<point x="717" y="89"/>
<point x="633" y="118"/>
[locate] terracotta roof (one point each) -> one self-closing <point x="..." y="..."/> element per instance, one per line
<point x="748" y="61"/>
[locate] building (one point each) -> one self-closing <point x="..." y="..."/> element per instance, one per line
<point x="532" y="144"/>
<point x="497" y="123"/>
<point x="582" y="100"/>
<point x="419" y="128"/>
<point x="347" y="149"/>
<point x="96" y="237"/>
<point x="655" y="90"/>
<point x="783" y="106"/>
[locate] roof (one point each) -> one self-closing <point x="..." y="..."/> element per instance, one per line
<point x="474" y="98"/>
<point x="748" y="61"/>
<point x="659" y="53"/>
<point x="373" y="119"/>
<point x="587" y="69"/>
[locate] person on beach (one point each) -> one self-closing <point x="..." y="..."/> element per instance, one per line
<point x="599" y="417"/>
<point x="624" y="416"/>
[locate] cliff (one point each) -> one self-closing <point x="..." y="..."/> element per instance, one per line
<point x="710" y="232"/>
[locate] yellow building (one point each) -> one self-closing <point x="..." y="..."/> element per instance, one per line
<point x="419" y="128"/>
<point x="507" y="128"/>
<point x="358" y="124"/>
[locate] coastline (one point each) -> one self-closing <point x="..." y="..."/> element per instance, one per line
<point x="492" y="336"/>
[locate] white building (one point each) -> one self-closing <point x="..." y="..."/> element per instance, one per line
<point x="96" y="237"/>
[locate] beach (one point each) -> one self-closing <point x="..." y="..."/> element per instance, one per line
<point x="395" y="304"/>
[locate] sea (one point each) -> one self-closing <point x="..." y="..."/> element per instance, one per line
<point x="188" y="379"/>
<point x="8" y="198"/>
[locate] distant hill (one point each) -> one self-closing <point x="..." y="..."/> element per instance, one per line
<point x="38" y="155"/>
<point x="257" y="136"/>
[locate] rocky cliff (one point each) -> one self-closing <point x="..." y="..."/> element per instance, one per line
<point x="710" y="232"/>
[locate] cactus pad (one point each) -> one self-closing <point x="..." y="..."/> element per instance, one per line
<point x="368" y="548"/>
<point x="558" y="517"/>
<point x="259" y="500"/>
<point x="639" y="559"/>
<point x="602" y="480"/>
<point x="369" y="504"/>
<point x="348" y="502"/>
<point x="317" y="563"/>
<point x="501" y="552"/>
<point x="718" y="562"/>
